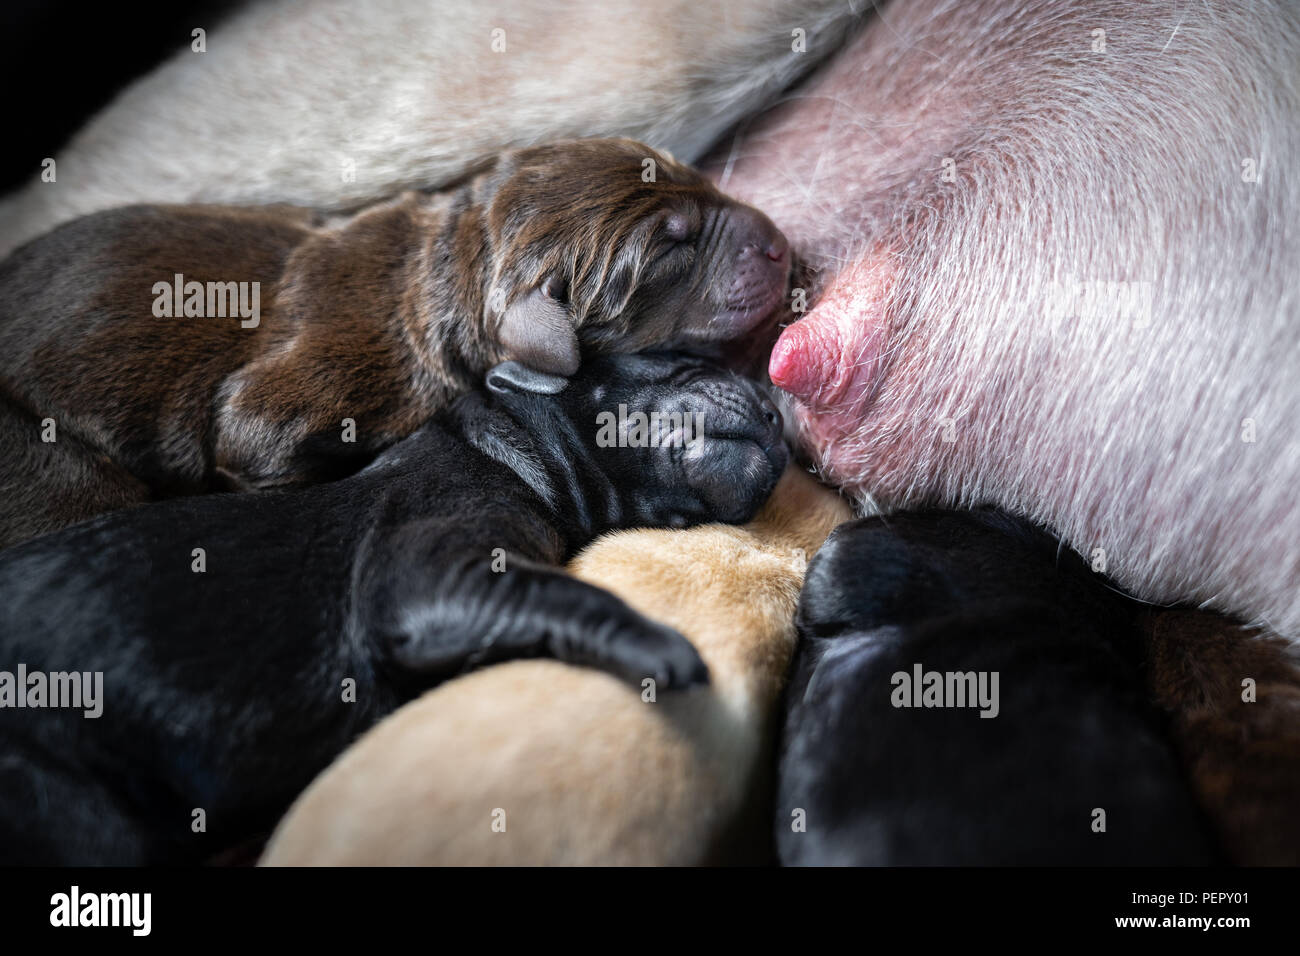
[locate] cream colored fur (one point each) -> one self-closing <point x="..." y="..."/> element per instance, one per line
<point x="584" y="769"/>
<point x="330" y="103"/>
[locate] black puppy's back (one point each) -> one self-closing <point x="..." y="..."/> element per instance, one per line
<point x="1073" y="736"/>
<point x="239" y="642"/>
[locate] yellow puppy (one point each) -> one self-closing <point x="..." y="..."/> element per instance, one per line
<point x="537" y="762"/>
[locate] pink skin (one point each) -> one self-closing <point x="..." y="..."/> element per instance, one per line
<point x="833" y="362"/>
<point x="830" y="359"/>
<point x="848" y="168"/>
<point x="944" y="361"/>
<point x="825" y="166"/>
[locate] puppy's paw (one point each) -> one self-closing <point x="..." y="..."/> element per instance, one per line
<point x="605" y="633"/>
<point x="638" y="649"/>
<point x="530" y="611"/>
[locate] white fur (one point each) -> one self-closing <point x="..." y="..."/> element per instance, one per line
<point x="1122" y="165"/>
<point x="411" y="92"/>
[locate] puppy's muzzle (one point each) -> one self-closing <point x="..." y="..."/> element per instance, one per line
<point x="735" y="463"/>
<point x="760" y="271"/>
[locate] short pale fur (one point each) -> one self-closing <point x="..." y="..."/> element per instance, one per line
<point x="1094" y="321"/>
<point x="332" y="104"/>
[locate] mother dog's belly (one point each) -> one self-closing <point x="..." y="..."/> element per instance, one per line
<point x="1056" y="277"/>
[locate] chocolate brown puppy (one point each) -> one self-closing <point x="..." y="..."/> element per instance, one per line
<point x="161" y="350"/>
<point x="1232" y="698"/>
<point x="231" y="688"/>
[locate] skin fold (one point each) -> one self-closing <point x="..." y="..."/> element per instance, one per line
<point x="1048" y="250"/>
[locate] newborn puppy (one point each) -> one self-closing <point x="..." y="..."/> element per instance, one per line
<point x="1033" y="745"/>
<point x="154" y="351"/>
<point x="539" y="763"/>
<point x="245" y="640"/>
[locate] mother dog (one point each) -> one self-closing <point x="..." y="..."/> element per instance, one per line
<point x="317" y="103"/>
<point x="245" y="640"/>
<point x="127" y="372"/>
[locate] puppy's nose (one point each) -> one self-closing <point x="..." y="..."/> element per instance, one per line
<point x="778" y="247"/>
<point x="760" y="243"/>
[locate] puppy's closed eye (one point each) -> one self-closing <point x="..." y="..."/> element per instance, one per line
<point x="556" y="289"/>
<point x="676" y="243"/>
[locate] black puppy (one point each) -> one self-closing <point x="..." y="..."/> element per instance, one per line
<point x="234" y="673"/>
<point x="1041" y="739"/>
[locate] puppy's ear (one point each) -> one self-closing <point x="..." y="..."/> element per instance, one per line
<point x="514" y="377"/>
<point x="537" y="331"/>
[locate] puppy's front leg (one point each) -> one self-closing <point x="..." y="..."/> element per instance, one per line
<point x="479" y="615"/>
<point x="444" y="586"/>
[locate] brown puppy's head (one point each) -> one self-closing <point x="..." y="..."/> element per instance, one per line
<point x="607" y="245"/>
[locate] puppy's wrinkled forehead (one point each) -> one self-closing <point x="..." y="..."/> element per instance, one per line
<point x="607" y="244"/>
<point x="593" y="195"/>
<point x="623" y="376"/>
<point x="594" y="180"/>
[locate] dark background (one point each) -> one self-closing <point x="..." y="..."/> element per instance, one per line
<point x="63" y="61"/>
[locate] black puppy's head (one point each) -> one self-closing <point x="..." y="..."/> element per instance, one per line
<point x="915" y="566"/>
<point x="608" y="245"/>
<point x="682" y="440"/>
